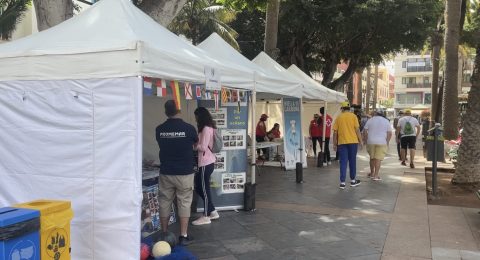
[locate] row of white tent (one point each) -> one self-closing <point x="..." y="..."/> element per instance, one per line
<point x="71" y="124"/>
<point x="116" y="39"/>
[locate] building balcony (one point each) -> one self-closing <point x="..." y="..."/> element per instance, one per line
<point x="419" y="68"/>
<point x="419" y="85"/>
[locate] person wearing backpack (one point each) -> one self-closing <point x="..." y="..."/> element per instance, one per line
<point x="409" y="129"/>
<point x="206" y="147"/>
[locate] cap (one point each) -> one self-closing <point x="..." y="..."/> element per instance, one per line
<point x="408" y="111"/>
<point x="345" y="104"/>
<point x="264" y="116"/>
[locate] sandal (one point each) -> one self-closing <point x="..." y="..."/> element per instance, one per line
<point x="377" y="179"/>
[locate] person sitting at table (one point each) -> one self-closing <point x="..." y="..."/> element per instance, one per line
<point x="261" y="135"/>
<point x="274" y="132"/>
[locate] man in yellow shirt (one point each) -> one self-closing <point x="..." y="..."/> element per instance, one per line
<point x="346" y="138"/>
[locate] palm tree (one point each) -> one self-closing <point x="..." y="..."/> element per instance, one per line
<point x="368" y="91"/>
<point x="450" y="92"/>
<point x="11" y="13"/>
<point x="200" y="18"/>
<point x="271" y="28"/>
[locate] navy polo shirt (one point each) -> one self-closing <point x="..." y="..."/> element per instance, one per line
<point x="176" y="139"/>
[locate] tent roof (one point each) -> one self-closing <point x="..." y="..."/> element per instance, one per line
<point x="331" y="95"/>
<point x="308" y="91"/>
<point x="113" y="38"/>
<point x="266" y="81"/>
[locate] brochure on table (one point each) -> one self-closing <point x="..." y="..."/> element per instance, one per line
<point x="293" y="133"/>
<point x="229" y="177"/>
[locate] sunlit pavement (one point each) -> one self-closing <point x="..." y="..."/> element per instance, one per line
<point x="388" y="219"/>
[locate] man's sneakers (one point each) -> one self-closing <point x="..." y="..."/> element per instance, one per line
<point x="355" y="183"/>
<point x="185" y="240"/>
<point x="412" y="165"/>
<point x="403" y="163"/>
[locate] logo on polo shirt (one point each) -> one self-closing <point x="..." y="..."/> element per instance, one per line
<point x="172" y="134"/>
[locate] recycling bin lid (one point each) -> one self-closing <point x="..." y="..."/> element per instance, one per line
<point x="46" y="206"/>
<point x="10" y="216"/>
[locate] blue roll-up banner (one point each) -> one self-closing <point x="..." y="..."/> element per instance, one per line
<point x="293" y="133"/>
<point x="228" y="179"/>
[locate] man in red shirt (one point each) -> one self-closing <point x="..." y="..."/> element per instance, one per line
<point x="315" y="133"/>
<point x="328" y="128"/>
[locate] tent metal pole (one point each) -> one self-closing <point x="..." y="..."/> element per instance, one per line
<point x="254" y="140"/>
<point x="324" y="125"/>
<point x="301" y="132"/>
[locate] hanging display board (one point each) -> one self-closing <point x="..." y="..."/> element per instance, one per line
<point x="229" y="177"/>
<point x="293" y="133"/>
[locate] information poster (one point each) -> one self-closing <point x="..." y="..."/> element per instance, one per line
<point x="228" y="179"/>
<point x="219" y="116"/>
<point x="293" y="133"/>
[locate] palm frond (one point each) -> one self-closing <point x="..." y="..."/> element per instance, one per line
<point x="11" y="13"/>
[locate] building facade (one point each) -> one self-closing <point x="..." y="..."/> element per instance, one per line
<point x="413" y="77"/>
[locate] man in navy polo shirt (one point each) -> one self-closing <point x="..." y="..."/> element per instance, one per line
<point x="176" y="140"/>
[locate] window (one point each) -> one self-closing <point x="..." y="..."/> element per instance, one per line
<point x="466" y="77"/>
<point x="409" y="98"/>
<point x="408" y="80"/>
<point x="419" y="64"/>
<point x="426" y="80"/>
<point x="404" y="64"/>
<point x="428" y="99"/>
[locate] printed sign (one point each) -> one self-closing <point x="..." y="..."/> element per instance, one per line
<point x="221" y="162"/>
<point x="219" y="116"/>
<point x="212" y="77"/>
<point x="293" y="133"/>
<point x="234" y="139"/>
<point x="233" y="182"/>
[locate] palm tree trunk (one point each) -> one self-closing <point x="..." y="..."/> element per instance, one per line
<point x="468" y="166"/>
<point x="358" y="92"/>
<point x="450" y="92"/>
<point x="436" y="43"/>
<point x="367" y="98"/>
<point x="375" y="88"/>
<point x="271" y="28"/>
<point x="52" y="12"/>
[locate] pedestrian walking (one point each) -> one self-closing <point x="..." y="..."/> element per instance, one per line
<point x="176" y="140"/>
<point x="397" y="133"/>
<point x="328" y="128"/>
<point x="315" y="133"/>
<point x="261" y="136"/>
<point x="407" y="126"/>
<point x="346" y="139"/>
<point x="378" y="133"/>
<point x="206" y="164"/>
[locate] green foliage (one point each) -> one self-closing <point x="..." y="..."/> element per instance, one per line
<point x="11" y="13"/>
<point x="318" y="34"/>
<point x="200" y="18"/>
<point x="250" y="25"/>
<point x="471" y="28"/>
<point x="241" y="5"/>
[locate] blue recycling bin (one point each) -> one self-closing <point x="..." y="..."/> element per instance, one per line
<point x="19" y="234"/>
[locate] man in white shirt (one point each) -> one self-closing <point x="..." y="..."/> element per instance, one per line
<point x="409" y="129"/>
<point x="378" y="133"/>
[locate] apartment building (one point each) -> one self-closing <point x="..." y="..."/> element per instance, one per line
<point x="413" y="77"/>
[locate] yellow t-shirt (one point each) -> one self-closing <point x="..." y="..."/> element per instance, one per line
<point x="346" y="126"/>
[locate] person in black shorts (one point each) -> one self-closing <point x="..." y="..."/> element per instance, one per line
<point x="409" y="129"/>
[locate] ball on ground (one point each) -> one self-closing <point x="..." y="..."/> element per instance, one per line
<point x="161" y="248"/>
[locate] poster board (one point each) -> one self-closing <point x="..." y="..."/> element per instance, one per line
<point x="293" y="133"/>
<point x="228" y="179"/>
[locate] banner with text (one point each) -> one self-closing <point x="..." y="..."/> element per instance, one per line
<point x="293" y="133"/>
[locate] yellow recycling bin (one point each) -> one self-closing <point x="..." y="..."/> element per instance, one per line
<point x="55" y="217"/>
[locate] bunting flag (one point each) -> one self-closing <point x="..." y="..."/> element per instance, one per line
<point x="175" y="93"/>
<point x="161" y="88"/>
<point x="188" y="91"/>
<point x="215" y="96"/>
<point x="224" y="96"/>
<point x="147" y="86"/>
<point x="198" y="91"/>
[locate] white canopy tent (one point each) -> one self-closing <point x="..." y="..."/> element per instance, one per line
<point x="111" y="39"/>
<point x="71" y="121"/>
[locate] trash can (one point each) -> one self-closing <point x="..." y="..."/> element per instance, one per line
<point x="55" y="217"/>
<point x="440" y="148"/>
<point x="19" y="237"/>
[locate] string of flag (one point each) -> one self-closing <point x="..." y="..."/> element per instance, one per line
<point x="226" y="96"/>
